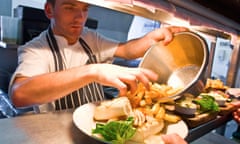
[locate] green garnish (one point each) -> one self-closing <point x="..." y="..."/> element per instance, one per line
<point x="116" y="132"/>
<point x="207" y="104"/>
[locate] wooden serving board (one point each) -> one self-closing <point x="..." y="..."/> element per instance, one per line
<point x="193" y="121"/>
<point x="199" y="119"/>
<point x="228" y="108"/>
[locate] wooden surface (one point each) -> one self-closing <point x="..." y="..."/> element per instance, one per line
<point x="200" y="119"/>
<point x="196" y="120"/>
<point x="229" y="108"/>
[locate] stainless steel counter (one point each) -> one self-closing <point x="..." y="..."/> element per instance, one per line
<point x="48" y="128"/>
<point x="58" y="128"/>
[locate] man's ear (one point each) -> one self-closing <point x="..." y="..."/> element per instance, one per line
<point x="48" y="8"/>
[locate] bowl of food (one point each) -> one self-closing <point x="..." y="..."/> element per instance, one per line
<point x="185" y="105"/>
<point x="218" y="97"/>
<point x="181" y="64"/>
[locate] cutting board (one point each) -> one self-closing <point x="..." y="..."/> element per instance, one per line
<point x="228" y="108"/>
<point x="199" y="119"/>
<point x="193" y="121"/>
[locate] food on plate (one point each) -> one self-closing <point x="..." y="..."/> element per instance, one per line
<point x="146" y="109"/>
<point x="215" y="84"/>
<point x="172" y="118"/>
<point x="192" y="105"/>
<point x="158" y="93"/>
<point x="233" y="92"/>
<point x="150" y="102"/>
<point x="182" y="109"/>
<point x="217" y="89"/>
<point x="219" y="97"/>
<point x="150" y="127"/>
<point x="207" y="104"/>
<point x="116" y="132"/>
<point x="185" y="105"/>
<point x="113" y="109"/>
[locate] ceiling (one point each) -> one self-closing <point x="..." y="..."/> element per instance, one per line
<point x="227" y="8"/>
<point x="197" y="12"/>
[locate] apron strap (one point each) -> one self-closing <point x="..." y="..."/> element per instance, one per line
<point x="90" y="93"/>
<point x="58" y="61"/>
<point x="88" y="51"/>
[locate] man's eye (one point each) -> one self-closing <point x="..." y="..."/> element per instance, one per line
<point x="69" y="8"/>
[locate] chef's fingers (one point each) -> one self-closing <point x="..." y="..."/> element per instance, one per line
<point x="131" y="82"/>
<point x="138" y="75"/>
<point x="121" y="86"/>
<point x="124" y="84"/>
<point x="236" y="116"/>
<point x="173" y="139"/>
<point x="176" y="29"/>
<point x="171" y="30"/>
<point x="146" y="76"/>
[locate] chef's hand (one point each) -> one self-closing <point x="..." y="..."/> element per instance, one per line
<point x="236" y="113"/>
<point x="236" y="116"/>
<point x="165" y="34"/>
<point x="123" y="78"/>
<point x="173" y="139"/>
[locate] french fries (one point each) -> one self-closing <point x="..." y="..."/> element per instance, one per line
<point x="160" y="114"/>
<point x="155" y="108"/>
<point x="142" y="97"/>
<point x="171" y="118"/>
<point x="151" y="102"/>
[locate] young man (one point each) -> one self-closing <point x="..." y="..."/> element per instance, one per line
<point x="69" y="60"/>
<point x="63" y="67"/>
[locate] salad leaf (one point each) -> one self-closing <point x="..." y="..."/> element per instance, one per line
<point x="207" y="104"/>
<point x="116" y="132"/>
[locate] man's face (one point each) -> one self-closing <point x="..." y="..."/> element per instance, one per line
<point x="69" y="17"/>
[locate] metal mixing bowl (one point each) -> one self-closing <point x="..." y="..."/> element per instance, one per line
<point x="181" y="63"/>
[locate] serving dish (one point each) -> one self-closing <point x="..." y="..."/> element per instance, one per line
<point x="83" y="120"/>
<point x="181" y="109"/>
<point x="185" y="105"/>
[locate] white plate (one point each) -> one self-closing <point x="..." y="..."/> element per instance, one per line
<point x="83" y="119"/>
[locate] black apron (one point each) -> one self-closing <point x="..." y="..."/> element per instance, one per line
<point x="89" y="93"/>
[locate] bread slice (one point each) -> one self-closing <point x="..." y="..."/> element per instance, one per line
<point x="150" y="128"/>
<point x="112" y="109"/>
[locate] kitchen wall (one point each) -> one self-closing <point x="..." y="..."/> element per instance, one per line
<point x="31" y="3"/>
<point x="110" y="23"/>
<point x="5" y="7"/>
